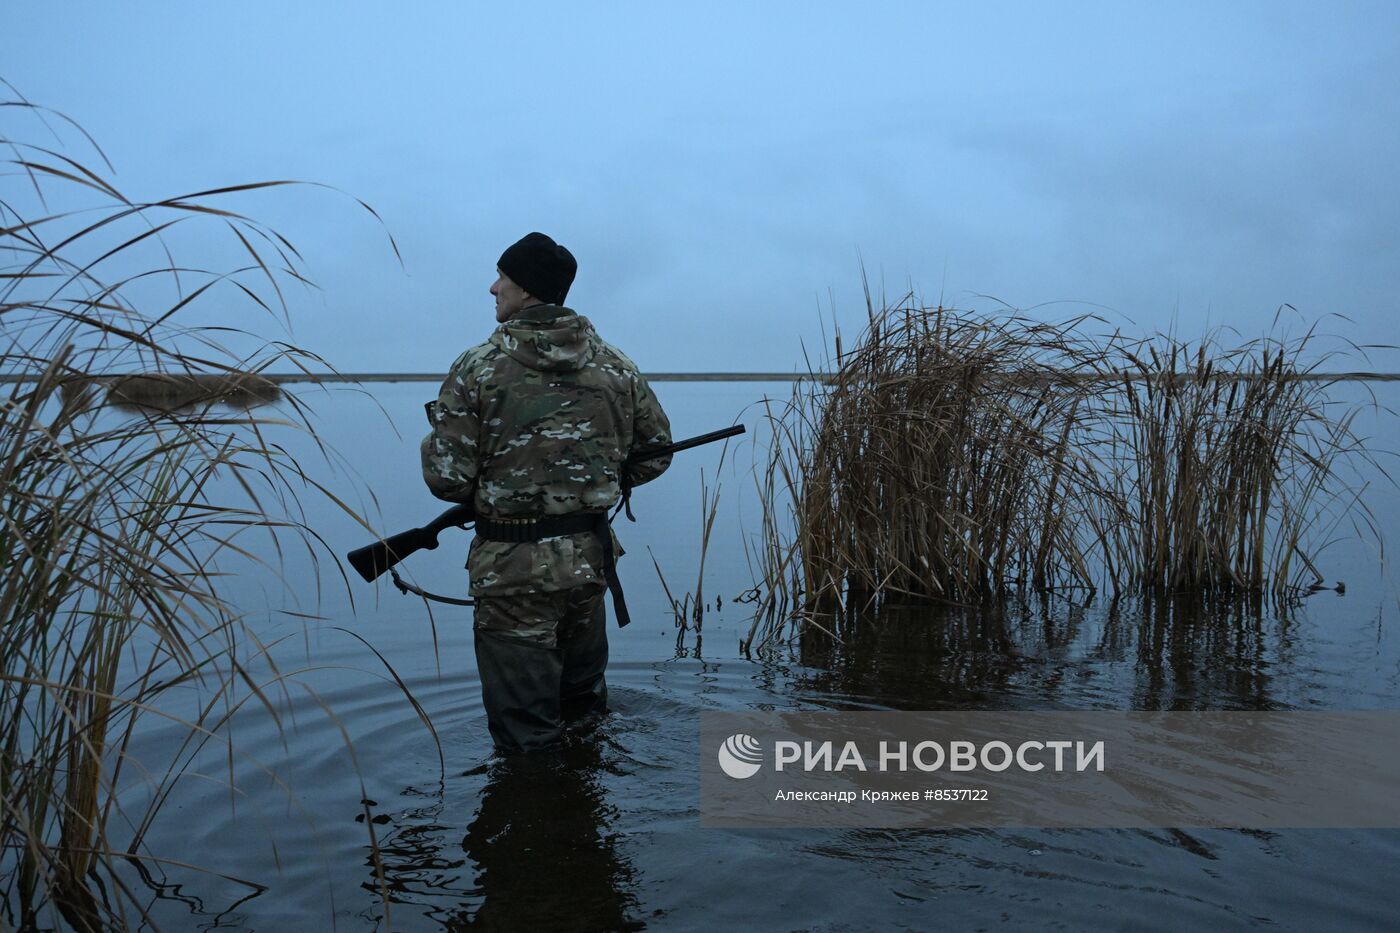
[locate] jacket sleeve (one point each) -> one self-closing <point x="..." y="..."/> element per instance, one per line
<point x="650" y="428"/>
<point x="450" y="452"/>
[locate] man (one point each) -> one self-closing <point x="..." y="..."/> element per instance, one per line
<point x="533" y="426"/>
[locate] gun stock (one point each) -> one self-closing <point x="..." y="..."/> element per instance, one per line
<point x="374" y="560"/>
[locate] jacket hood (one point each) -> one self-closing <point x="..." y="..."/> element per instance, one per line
<point x="549" y="338"/>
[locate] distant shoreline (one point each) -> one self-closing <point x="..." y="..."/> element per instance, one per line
<point x="438" y="377"/>
<point x="284" y="378"/>
<point x="288" y="378"/>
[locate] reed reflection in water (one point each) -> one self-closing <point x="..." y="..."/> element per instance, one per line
<point x="1150" y="654"/>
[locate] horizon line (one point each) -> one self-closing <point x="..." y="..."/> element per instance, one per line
<point x="281" y="378"/>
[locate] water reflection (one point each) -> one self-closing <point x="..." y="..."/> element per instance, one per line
<point x="1149" y="654"/>
<point x="1193" y="655"/>
<point x="916" y="657"/>
<point x="543" y="846"/>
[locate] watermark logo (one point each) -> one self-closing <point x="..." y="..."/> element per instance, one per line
<point x="740" y="756"/>
<point x="1064" y="769"/>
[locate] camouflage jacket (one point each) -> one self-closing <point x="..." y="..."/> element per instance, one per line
<point x="538" y="421"/>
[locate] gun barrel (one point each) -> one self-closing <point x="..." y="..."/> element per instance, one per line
<point x="689" y="442"/>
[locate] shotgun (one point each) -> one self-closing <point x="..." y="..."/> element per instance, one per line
<point x="374" y="560"/>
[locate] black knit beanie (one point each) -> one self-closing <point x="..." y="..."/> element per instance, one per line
<point x="540" y="266"/>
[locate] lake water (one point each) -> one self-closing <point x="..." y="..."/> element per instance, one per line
<point x="607" y="835"/>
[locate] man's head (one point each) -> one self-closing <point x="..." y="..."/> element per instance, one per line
<point x="532" y="270"/>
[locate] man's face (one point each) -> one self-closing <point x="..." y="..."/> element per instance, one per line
<point x="510" y="297"/>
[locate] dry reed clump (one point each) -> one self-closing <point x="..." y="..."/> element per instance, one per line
<point x="948" y="461"/>
<point x="109" y="529"/>
<point x="169" y="392"/>
<point x="1228" y="458"/>
<point x="175" y="391"/>
<point x="964" y="458"/>
<point x="946" y="456"/>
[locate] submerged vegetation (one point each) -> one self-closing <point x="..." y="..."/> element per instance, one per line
<point x="966" y="458"/>
<point x="112" y="520"/>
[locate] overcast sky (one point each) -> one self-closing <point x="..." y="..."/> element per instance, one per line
<point x="721" y="170"/>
